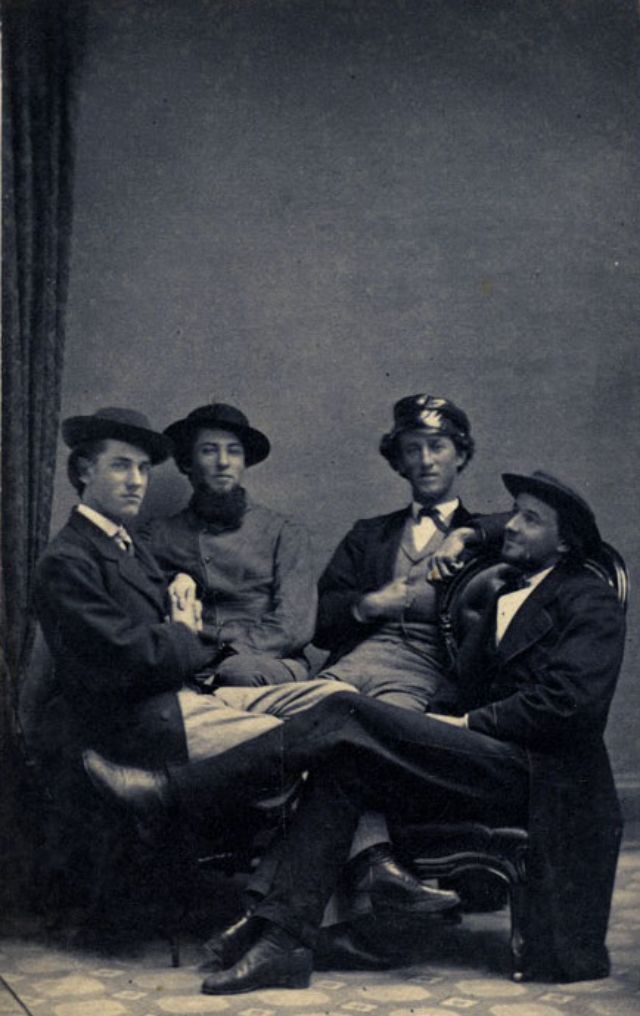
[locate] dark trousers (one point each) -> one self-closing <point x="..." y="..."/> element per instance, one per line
<point x="361" y="754"/>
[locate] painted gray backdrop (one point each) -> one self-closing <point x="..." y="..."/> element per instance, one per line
<point x="310" y="209"/>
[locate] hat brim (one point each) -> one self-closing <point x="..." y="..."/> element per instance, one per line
<point x="576" y="513"/>
<point x="256" y="444"/>
<point x="78" y="430"/>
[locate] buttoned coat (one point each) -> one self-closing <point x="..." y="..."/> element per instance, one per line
<point x="548" y="687"/>
<point x="118" y="661"/>
<point x="364" y="561"/>
<point x="257" y="582"/>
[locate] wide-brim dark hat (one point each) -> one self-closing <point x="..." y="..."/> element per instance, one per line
<point x="220" y="416"/>
<point x="120" y="425"/>
<point x="571" y="506"/>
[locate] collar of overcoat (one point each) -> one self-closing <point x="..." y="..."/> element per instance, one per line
<point x="533" y="620"/>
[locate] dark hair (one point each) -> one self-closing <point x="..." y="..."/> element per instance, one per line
<point x="78" y="457"/>
<point x="464" y="443"/>
<point x="576" y="553"/>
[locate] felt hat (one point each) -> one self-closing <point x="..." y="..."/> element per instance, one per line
<point x="219" y="416"/>
<point x="571" y="506"/>
<point x="120" y="425"/>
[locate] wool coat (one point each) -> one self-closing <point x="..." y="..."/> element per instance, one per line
<point x="118" y="660"/>
<point x="548" y="687"/>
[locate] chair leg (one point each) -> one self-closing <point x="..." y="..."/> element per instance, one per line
<point x="516" y="943"/>
<point x="174" y="945"/>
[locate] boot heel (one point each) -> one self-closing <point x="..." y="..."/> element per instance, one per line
<point x="299" y="974"/>
<point x="300" y="979"/>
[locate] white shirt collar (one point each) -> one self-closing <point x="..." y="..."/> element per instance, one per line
<point x="446" y="509"/>
<point x="107" y="525"/>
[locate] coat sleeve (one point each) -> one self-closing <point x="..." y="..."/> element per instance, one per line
<point x="82" y="621"/>
<point x="569" y="692"/>
<point x="341" y="586"/>
<point x="287" y="627"/>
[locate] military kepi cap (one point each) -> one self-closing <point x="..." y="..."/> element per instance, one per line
<point x="429" y="413"/>
<point x="571" y="506"/>
<point x="219" y="416"/>
<point x="120" y="425"/>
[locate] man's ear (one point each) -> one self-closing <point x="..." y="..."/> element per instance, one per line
<point x="84" y="469"/>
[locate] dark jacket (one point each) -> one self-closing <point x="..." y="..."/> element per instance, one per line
<point x="364" y="561"/>
<point x="117" y="660"/>
<point x="548" y="687"/>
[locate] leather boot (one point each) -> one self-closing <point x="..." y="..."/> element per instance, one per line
<point x="226" y="948"/>
<point x="144" y="793"/>
<point x="391" y="886"/>
<point x="340" y="947"/>
<point x="276" y="960"/>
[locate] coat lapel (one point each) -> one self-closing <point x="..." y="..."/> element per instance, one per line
<point x="139" y="571"/>
<point x="532" y="621"/>
<point x="384" y="560"/>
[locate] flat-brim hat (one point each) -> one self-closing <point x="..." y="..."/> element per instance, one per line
<point x="571" y="506"/>
<point x="219" y="416"/>
<point x="429" y="413"/>
<point x="120" y="425"/>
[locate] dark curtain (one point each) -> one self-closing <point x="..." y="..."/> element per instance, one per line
<point x="43" y="41"/>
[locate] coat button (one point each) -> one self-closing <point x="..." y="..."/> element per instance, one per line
<point x="165" y="714"/>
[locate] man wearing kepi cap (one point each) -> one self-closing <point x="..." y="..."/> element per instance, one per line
<point x="536" y="675"/>
<point x="251" y="567"/>
<point x="377" y="612"/>
<point x="128" y="658"/>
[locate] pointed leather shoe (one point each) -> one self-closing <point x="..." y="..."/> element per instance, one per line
<point x="340" y="948"/>
<point x="142" y="792"/>
<point x="230" y="945"/>
<point x="267" y="964"/>
<point x="391" y="886"/>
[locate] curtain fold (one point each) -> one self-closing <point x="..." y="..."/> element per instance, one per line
<point x="43" y="44"/>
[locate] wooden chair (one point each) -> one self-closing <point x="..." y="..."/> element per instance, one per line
<point x="446" y="851"/>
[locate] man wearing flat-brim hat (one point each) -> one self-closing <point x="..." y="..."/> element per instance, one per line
<point x="251" y="566"/>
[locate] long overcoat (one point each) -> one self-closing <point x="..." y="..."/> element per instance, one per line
<point x="548" y="687"/>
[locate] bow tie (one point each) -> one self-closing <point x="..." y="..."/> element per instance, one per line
<point x="513" y="581"/>
<point x="435" y="516"/>
<point x="123" y="540"/>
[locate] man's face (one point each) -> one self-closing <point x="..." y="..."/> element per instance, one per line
<point x="430" y="462"/>
<point x="217" y="460"/>
<point x="532" y="536"/>
<point x="116" y="481"/>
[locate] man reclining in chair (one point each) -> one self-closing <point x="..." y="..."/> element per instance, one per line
<point x="536" y="677"/>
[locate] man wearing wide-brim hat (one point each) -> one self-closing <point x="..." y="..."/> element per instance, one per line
<point x="252" y="567"/>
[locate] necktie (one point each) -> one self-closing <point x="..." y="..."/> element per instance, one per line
<point x="435" y="516"/>
<point x="123" y="540"/>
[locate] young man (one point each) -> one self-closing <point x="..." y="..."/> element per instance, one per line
<point x="251" y="567"/>
<point x="537" y="675"/>
<point x="378" y="608"/>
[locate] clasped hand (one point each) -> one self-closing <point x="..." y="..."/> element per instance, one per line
<point x="184" y="603"/>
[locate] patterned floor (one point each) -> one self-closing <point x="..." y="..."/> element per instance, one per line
<point x="466" y="972"/>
